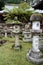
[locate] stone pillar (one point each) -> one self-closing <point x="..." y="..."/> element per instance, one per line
<point x="35" y="44"/>
<point x="11" y="34"/>
<point x="5" y="31"/>
<point x="16" y="40"/>
<point x="5" y="34"/>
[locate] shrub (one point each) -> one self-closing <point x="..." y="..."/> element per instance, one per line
<point x="22" y="12"/>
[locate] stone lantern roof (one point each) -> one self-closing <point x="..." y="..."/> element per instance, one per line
<point x="36" y="17"/>
<point x="15" y="21"/>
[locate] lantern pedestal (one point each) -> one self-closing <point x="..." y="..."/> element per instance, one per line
<point x="35" y="54"/>
<point x="17" y="44"/>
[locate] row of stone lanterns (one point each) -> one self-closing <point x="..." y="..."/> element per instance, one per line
<point x="34" y="54"/>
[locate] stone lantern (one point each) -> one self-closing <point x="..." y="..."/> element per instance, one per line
<point x="35" y="54"/>
<point x="27" y="34"/>
<point x="16" y="31"/>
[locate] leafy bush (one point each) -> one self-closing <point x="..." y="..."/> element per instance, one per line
<point x="22" y="12"/>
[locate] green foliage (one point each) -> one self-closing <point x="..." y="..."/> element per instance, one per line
<point x="24" y="6"/>
<point x="13" y="1"/>
<point x="12" y="21"/>
<point x="16" y="1"/>
<point x="22" y="12"/>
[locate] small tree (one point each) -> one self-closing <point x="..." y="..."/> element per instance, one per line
<point x="22" y="12"/>
<point x="1" y="4"/>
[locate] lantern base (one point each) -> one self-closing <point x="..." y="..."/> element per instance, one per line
<point x="18" y="47"/>
<point x="35" y="57"/>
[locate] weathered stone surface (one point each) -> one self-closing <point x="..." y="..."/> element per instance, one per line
<point x="27" y="36"/>
<point x="35" y="57"/>
<point x="35" y="54"/>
